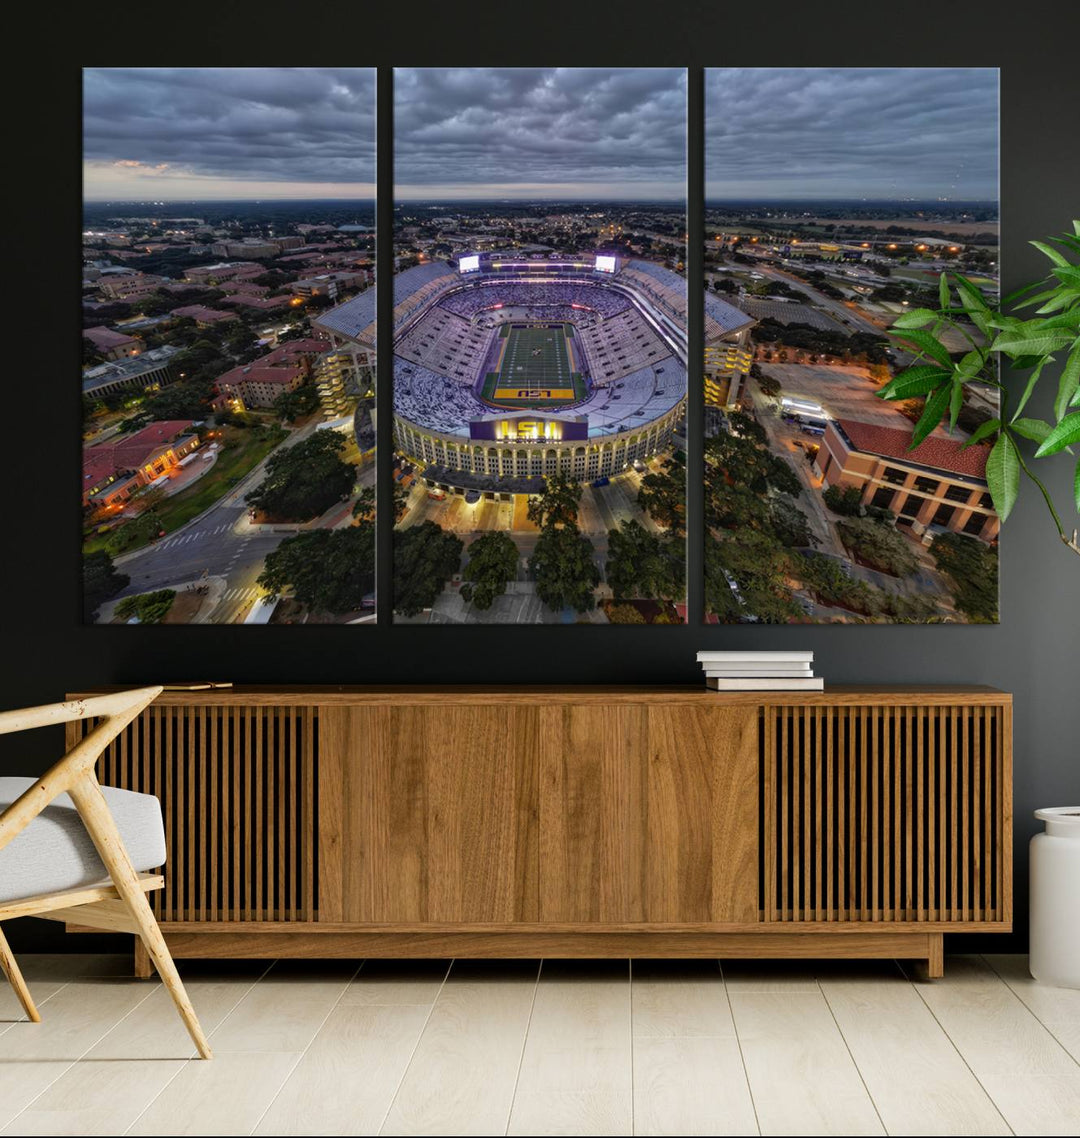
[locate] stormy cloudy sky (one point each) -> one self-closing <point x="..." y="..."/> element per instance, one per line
<point x="235" y="132"/>
<point x="852" y="133"/>
<point x="600" y="133"/>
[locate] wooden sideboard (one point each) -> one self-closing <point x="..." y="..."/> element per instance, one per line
<point x="576" y="821"/>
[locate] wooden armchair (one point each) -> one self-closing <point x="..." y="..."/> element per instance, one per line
<point x="55" y="873"/>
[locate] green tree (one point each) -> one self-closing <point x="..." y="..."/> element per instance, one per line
<point x="973" y="569"/>
<point x="425" y="558"/>
<point x="149" y="608"/>
<point x="663" y="497"/>
<point x="641" y="564"/>
<point x="293" y="405"/>
<point x="101" y="580"/>
<point x="557" y="505"/>
<point x="304" y="480"/>
<point x="565" y="571"/>
<point x="492" y="565"/>
<point x="878" y="545"/>
<point x="745" y="579"/>
<point x="844" y="500"/>
<point x="327" y="570"/>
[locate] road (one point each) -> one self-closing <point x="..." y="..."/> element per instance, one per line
<point x="221" y="544"/>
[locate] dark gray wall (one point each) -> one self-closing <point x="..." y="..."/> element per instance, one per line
<point x="1033" y="653"/>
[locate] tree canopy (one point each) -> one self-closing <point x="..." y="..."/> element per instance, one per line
<point x="565" y="571"/>
<point x="492" y="565"/>
<point x="645" y="565"/>
<point x="101" y="580"/>
<point x="425" y="558"/>
<point x="558" y="505"/>
<point x="304" y="480"/>
<point x="327" y="570"/>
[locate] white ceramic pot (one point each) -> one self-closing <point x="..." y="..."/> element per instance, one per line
<point x="1055" y="898"/>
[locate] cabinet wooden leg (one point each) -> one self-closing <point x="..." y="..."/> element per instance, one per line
<point x="143" y="970"/>
<point x="935" y="963"/>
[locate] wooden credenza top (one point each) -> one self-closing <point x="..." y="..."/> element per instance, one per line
<point x="279" y="695"/>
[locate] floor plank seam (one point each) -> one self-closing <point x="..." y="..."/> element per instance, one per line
<point x="630" y="1027"/>
<point x="24" y="1018"/>
<point x="1048" y="1027"/>
<point x="85" y="1051"/>
<point x="524" y="1041"/>
<point x="416" y="1046"/>
<point x="184" y="1066"/>
<point x="314" y="1035"/>
<point x="963" y="1057"/>
<point x="738" y="1043"/>
<point x="851" y="1056"/>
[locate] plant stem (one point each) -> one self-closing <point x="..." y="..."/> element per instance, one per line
<point x="1072" y="543"/>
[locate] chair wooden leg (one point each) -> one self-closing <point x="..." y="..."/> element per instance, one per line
<point x="15" y="978"/>
<point x="106" y="838"/>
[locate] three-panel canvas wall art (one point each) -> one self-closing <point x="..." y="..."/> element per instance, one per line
<point x="538" y="372"/>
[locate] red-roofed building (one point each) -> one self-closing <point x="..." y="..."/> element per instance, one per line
<point x="204" y="317"/>
<point x="113" y="345"/>
<point x="264" y="303"/>
<point x="257" y="385"/>
<point x="294" y="351"/>
<point x="939" y="483"/>
<point x="114" y="470"/>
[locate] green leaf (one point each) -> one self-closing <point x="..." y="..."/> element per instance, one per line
<point x="916" y="318"/>
<point x="1032" y="380"/>
<point x="1069" y="384"/>
<point x="1068" y="274"/>
<point x="1051" y="252"/>
<point x="1062" y="299"/>
<point x="1003" y="475"/>
<point x="943" y="290"/>
<point x="974" y="304"/>
<point x="970" y="365"/>
<point x="914" y="381"/>
<point x="982" y="431"/>
<point x="1076" y="226"/>
<point x="1064" y="434"/>
<point x="935" y="408"/>
<point x="1030" y="343"/>
<point x="956" y="401"/>
<point x="1034" y="429"/>
<point x="1076" y="487"/>
<point x="929" y="346"/>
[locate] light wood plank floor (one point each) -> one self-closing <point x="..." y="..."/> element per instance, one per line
<point x="560" y="1047"/>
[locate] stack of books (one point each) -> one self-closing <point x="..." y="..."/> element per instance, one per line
<point x="760" y="671"/>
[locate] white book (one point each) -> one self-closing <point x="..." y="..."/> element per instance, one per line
<point x="812" y="684"/>
<point x="755" y="657"/>
<point x="751" y="674"/>
<point x="759" y="668"/>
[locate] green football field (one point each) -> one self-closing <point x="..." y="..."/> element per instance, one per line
<point x="535" y="367"/>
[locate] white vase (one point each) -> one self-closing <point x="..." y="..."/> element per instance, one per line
<point x="1055" y="898"/>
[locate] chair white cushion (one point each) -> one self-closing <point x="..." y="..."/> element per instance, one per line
<point x="55" y="852"/>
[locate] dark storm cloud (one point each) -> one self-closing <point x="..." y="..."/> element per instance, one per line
<point x="571" y="127"/>
<point x="233" y="125"/>
<point x="852" y="132"/>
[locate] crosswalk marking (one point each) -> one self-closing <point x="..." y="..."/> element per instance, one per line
<point x="240" y="594"/>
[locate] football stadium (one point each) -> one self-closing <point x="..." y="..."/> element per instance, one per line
<point x="511" y="369"/>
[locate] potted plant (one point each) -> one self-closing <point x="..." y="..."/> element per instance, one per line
<point x="1048" y="335"/>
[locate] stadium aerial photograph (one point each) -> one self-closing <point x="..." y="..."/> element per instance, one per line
<point x="835" y="201"/>
<point x="539" y="374"/>
<point x="228" y="443"/>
